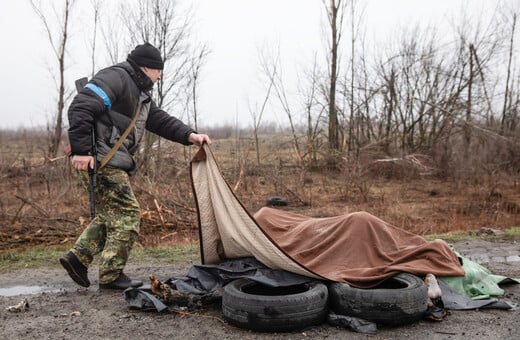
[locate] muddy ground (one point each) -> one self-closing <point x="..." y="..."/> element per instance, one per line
<point x="66" y="311"/>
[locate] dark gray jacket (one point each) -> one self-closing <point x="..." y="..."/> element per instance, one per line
<point x="127" y="93"/>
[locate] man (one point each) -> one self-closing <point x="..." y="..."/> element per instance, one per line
<point x="106" y="106"/>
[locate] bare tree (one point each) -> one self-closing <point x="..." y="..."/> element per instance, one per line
<point x="58" y="42"/>
<point x="352" y="76"/>
<point x="314" y="117"/>
<point x="115" y="39"/>
<point x="272" y="70"/>
<point x="196" y="65"/>
<point x="309" y="109"/>
<point x="335" y="11"/>
<point x="507" y="94"/>
<point x="257" y="115"/>
<point x="161" y="23"/>
<point x="96" y="6"/>
<point x="350" y="88"/>
<point x="467" y="129"/>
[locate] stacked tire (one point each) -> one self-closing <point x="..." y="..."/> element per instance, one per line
<point x="399" y="300"/>
<point x="251" y="305"/>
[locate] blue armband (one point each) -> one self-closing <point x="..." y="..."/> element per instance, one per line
<point x="102" y="94"/>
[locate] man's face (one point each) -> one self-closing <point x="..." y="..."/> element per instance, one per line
<point x="152" y="73"/>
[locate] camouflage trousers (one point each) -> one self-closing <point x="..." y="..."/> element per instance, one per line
<point x="116" y="225"/>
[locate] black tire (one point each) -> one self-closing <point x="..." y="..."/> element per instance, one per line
<point x="398" y="300"/>
<point x="276" y="201"/>
<point x="251" y="305"/>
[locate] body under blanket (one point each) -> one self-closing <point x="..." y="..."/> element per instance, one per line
<point x="358" y="248"/>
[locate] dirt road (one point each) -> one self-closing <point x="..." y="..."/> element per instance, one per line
<point x="65" y="311"/>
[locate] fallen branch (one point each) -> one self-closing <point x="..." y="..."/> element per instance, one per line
<point x="170" y="201"/>
<point x="34" y="205"/>
<point x="40" y="218"/>
<point x="159" y="212"/>
<point x="168" y="235"/>
<point x="413" y="160"/>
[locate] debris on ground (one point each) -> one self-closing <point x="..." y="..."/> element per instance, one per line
<point x="23" y="306"/>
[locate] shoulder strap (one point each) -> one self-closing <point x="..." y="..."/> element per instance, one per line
<point x="112" y="151"/>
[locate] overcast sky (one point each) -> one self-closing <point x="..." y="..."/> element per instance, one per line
<point x="235" y="30"/>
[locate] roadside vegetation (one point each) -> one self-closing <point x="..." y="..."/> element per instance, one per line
<point x="424" y="136"/>
<point x="39" y="256"/>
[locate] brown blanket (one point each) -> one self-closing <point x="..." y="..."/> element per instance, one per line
<point x="358" y="248"/>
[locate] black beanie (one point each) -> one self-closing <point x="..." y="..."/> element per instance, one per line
<point x="147" y="55"/>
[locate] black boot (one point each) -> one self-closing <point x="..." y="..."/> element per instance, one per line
<point x="77" y="271"/>
<point x="121" y="283"/>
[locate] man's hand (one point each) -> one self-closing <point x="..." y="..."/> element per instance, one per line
<point x="198" y="138"/>
<point x="82" y="162"/>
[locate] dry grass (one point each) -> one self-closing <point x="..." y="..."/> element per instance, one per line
<point x="43" y="203"/>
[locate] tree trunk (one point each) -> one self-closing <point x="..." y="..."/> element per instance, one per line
<point x="467" y="125"/>
<point x="333" y="114"/>
<point x="506" y="92"/>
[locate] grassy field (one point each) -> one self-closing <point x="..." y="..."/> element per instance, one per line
<point x="44" y="205"/>
<point x="39" y="256"/>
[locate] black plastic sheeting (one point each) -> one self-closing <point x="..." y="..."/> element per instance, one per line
<point x="207" y="279"/>
<point x="142" y="298"/>
<point x="456" y="301"/>
<point x="202" y="279"/>
<point x="350" y="322"/>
